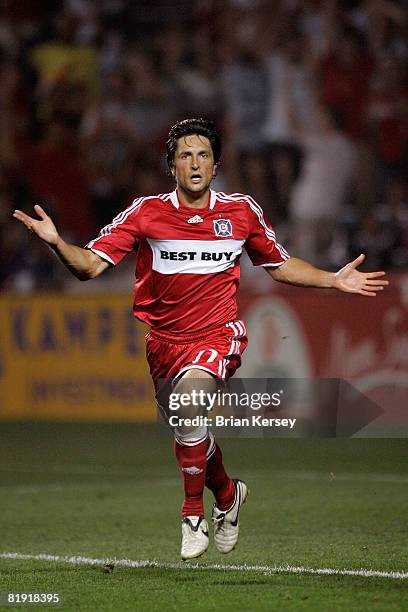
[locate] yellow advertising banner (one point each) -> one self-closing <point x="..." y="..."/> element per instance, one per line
<point x="73" y="357"/>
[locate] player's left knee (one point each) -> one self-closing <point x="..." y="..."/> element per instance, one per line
<point x="190" y="436"/>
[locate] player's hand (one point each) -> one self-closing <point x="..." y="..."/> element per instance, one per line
<point x="353" y="281"/>
<point x="43" y="227"/>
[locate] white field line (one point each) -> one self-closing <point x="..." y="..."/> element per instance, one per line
<point x="266" y="570"/>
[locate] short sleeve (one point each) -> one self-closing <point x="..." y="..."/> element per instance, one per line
<point x="261" y="245"/>
<point x="120" y="237"/>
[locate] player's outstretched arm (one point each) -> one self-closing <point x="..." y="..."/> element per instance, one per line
<point x="84" y="264"/>
<point x="298" y="272"/>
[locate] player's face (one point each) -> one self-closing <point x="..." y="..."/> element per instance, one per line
<point x="193" y="166"/>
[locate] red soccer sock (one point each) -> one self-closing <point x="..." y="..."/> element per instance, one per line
<point x="192" y="461"/>
<point x="218" y="481"/>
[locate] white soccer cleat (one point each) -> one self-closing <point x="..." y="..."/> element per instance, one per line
<point x="226" y="525"/>
<point x="195" y="539"/>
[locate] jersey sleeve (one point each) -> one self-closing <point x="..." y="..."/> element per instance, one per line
<point x="120" y="237"/>
<point x="261" y="245"/>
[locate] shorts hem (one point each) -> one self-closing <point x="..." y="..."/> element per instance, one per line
<point x="195" y="367"/>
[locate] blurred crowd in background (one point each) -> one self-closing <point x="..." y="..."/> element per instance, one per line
<point x="311" y="98"/>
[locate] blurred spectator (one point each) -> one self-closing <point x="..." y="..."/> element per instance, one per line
<point x="64" y="59"/>
<point x="244" y="94"/>
<point x="109" y="140"/>
<point x="377" y="241"/>
<point x="322" y="187"/>
<point x="383" y="235"/>
<point x="55" y="174"/>
<point x="387" y="114"/>
<point x="26" y="263"/>
<point x="344" y="70"/>
<point x="192" y="72"/>
<point x="285" y="55"/>
<point x="153" y="99"/>
<point x="345" y="74"/>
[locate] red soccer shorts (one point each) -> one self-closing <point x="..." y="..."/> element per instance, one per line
<point x="218" y="352"/>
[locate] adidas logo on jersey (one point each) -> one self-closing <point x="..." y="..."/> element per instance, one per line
<point x="192" y="470"/>
<point x="195" y="219"/>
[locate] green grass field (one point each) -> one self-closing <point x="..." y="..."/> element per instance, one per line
<point x="113" y="491"/>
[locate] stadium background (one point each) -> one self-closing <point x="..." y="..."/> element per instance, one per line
<point x="312" y="101"/>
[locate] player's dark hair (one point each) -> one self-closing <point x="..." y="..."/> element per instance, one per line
<point x="187" y="127"/>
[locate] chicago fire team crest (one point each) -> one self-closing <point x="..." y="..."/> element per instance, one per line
<point x="223" y="228"/>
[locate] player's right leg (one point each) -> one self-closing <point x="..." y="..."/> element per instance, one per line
<point x="191" y="444"/>
<point x="229" y="494"/>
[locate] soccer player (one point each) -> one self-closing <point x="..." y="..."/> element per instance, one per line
<point x="187" y="246"/>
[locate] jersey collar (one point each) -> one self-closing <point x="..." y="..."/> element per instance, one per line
<point x="176" y="203"/>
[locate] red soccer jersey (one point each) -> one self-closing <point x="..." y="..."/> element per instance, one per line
<point x="187" y="260"/>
